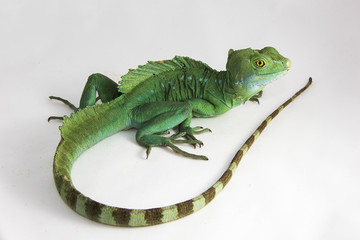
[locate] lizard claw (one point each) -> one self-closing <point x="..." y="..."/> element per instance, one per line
<point x="256" y="97"/>
<point x="55" y="118"/>
<point x="148" y="150"/>
<point x="190" y="132"/>
<point x="255" y="100"/>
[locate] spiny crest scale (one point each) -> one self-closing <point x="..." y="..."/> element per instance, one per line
<point x="155" y="68"/>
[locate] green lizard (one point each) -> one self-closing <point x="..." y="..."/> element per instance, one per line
<point x="155" y="98"/>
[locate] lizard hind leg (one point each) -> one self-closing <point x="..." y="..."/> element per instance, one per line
<point x="96" y="83"/>
<point x="106" y="88"/>
<point x="154" y="118"/>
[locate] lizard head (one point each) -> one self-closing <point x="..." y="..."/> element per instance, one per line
<point x="251" y="70"/>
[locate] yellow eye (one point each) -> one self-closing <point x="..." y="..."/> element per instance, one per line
<point x="260" y="63"/>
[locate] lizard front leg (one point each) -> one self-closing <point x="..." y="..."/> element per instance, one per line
<point x="201" y="108"/>
<point x="256" y="97"/>
<point x="158" y="117"/>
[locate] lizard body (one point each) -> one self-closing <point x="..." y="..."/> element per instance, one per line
<point x="154" y="98"/>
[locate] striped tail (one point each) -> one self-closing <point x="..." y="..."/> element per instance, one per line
<point x="70" y="148"/>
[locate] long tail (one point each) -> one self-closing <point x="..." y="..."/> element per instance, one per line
<point x="75" y="141"/>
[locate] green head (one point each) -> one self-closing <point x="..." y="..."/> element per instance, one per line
<point x="251" y="70"/>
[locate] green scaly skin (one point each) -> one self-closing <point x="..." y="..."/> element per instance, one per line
<point x="155" y="98"/>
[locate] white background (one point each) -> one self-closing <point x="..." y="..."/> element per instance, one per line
<point x="299" y="181"/>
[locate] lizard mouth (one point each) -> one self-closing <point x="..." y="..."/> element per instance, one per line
<point x="270" y="77"/>
<point x="280" y="73"/>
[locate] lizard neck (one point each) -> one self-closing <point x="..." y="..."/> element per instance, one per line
<point x="226" y="90"/>
<point x="241" y="91"/>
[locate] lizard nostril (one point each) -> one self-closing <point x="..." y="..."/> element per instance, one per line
<point x="286" y="63"/>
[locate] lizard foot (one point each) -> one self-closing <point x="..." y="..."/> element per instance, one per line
<point x="171" y="141"/>
<point x="170" y="144"/>
<point x="256" y="97"/>
<point x="67" y="103"/>
<point x="188" y="133"/>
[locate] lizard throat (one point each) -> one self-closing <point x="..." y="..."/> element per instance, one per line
<point x="261" y="80"/>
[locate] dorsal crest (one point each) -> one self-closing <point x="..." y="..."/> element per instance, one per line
<point x="154" y="68"/>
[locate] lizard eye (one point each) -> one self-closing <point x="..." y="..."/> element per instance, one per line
<point x="260" y="63"/>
